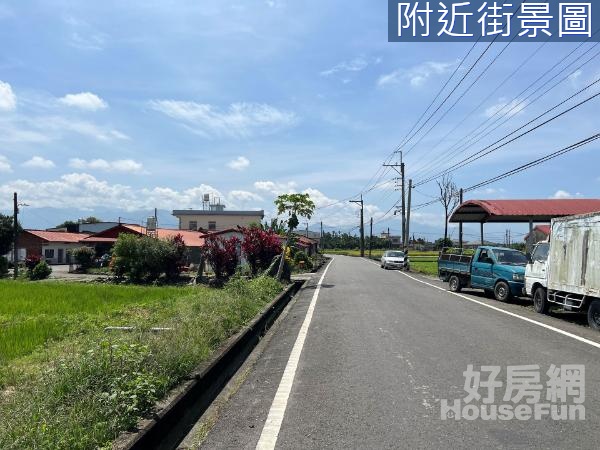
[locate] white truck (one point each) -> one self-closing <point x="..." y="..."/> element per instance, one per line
<point x="565" y="271"/>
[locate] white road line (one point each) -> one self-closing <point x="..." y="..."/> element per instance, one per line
<point x="268" y="437"/>
<point x="526" y="319"/>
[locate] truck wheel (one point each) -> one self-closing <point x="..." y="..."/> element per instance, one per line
<point x="502" y="291"/>
<point x="594" y="315"/>
<point x="454" y="284"/>
<point x="540" y="301"/>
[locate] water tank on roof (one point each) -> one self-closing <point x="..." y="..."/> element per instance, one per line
<point x="151" y="224"/>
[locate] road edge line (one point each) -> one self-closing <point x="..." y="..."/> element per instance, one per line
<point x="272" y="426"/>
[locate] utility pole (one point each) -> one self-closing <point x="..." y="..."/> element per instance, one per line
<point x="460" y="224"/>
<point x="306" y="229"/>
<point x="15" y="237"/>
<point x="362" y="225"/>
<point x="321" y="240"/>
<point x="371" y="239"/>
<point x="408" y="214"/>
<point x="395" y="166"/>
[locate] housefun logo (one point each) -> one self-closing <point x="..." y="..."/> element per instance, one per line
<point x="522" y="398"/>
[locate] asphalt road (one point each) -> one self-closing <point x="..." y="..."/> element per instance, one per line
<point x="383" y="350"/>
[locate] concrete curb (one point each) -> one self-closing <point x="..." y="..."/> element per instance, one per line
<point x="177" y="417"/>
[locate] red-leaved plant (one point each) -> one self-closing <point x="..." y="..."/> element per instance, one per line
<point x="222" y="255"/>
<point x="260" y="247"/>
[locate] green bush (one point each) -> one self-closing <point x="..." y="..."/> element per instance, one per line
<point x="3" y="266"/>
<point x="41" y="271"/>
<point x="301" y="256"/>
<point x="143" y="258"/>
<point x="83" y="256"/>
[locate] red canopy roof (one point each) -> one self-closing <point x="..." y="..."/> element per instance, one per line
<point x="522" y="210"/>
<point x="58" y="236"/>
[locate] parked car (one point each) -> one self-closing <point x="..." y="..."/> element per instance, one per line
<point x="563" y="272"/>
<point x="499" y="271"/>
<point x="395" y="259"/>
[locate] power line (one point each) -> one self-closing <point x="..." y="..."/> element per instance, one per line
<point x="527" y="59"/>
<point x="481" y="74"/>
<point x="487" y="150"/>
<point x="536" y="162"/>
<point x="476" y="136"/>
<point x="404" y="140"/>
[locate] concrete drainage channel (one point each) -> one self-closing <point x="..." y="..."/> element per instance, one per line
<point x="182" y="410"/>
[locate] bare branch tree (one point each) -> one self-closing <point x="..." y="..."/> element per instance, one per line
<point x="449" y="198"/>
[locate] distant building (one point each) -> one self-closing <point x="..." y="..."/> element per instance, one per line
<point x="215" y="218"/>
<point x="538" y="234"/>
<point x="104" y="240"/>
<point x="53" y="246"/>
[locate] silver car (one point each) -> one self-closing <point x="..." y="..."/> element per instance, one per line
<point x="395" y="259"/>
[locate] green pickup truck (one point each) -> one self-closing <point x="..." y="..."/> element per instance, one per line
<point x="500" y="272"/>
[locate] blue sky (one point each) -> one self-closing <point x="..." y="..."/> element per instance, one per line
<point x="113" y="108"/>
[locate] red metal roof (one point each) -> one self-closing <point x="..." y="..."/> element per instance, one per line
<point x="522" y="210"/>
<point x="58" y="236"/>
<point x="191" y="238"/>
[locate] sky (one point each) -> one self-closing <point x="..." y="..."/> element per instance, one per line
<point x="115" y="108"/>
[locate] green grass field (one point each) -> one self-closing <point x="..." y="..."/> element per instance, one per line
<point x="422" y="262"/>
<point x="35" y="314"/>
<point x="65" y="383"/>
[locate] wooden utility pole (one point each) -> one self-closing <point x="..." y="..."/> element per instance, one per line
<point x="371" y="239"/>
<point x="321" y="240"/>
<point x="408" y="213"/>
<point x="362" y="225"/>
<point x="15" y="237"/>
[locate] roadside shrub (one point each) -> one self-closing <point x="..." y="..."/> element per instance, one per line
<point x="32" y="261"/>
<point x="301" y="256"/>
<point x="222" y="255"/>
<point x="83" y="256"/>
<point x="259" y="248"/>
<point x="41" y="271"/>
<point x="146" y="259"/>
<point x="3" y="266"/>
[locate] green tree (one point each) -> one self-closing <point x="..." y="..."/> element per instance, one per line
<point x="293" y="206"/>
<point x="92" y="219"/>
<point x="66" y="224"/>
<point x="6" y="233"/>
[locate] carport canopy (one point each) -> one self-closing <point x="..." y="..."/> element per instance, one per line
<point x="520" y="211"/>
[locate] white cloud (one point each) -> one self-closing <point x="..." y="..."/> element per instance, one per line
<point x="37" y="162"/>
<point x="83" y="36"/>
<point x="40" y="129"/>
<point x="240" y="120"/>
<point x="240" y="163"/>
<point x="355" y="65"/>
<point x="244" y="196"/>
<point x="84" y="100"/>
<point x="5" y="164"/>
<point x="119" y="165"/>
<point x="507" y="108"/>
<point x="276" y="188"/>
<point x="87" y="192"/>
<point x="418" y="75"/>
<point x="561" y="194"/>
<point x="8" y="99"/>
